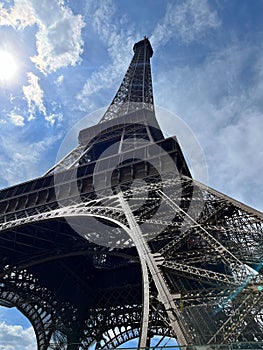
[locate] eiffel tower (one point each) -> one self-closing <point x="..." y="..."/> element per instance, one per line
<point x="117" y="241"/>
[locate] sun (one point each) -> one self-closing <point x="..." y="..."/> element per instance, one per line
<point x="8" y="66"/>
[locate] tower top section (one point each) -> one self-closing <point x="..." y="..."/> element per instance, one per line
<point x="135" y="91"/>
<point x="145" y="44"/>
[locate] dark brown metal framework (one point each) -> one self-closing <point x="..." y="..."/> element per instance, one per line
<point x="193" y="271"/>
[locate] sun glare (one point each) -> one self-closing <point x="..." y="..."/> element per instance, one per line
<point x="8" y="66"/>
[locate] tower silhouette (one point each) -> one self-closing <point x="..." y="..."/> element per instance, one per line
<point x="117" y="241"/>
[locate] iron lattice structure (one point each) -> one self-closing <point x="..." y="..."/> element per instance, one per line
<point x="117" y="241"/>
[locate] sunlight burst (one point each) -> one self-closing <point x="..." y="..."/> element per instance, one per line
<point x="8" y="66"/>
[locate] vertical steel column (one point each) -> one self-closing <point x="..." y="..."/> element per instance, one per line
<point x="164" y="295"/>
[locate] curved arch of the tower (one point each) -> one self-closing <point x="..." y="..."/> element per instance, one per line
<point x="117" y="241"/>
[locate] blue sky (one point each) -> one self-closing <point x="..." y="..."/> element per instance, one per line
<point x="67" y="59"/>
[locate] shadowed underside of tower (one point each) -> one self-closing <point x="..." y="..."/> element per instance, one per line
<point x="117" y="241"/>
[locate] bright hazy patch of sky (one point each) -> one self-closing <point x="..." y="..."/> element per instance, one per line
<point x="70" y="57"/>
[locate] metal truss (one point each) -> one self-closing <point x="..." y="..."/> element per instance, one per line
<point x="20" y="289"/>
<point x="135" y="90"/>
<point x="96" y="258"/>
<point x="70" y="160"/>
<point x="135" y="93"/>
<point x="218" y="288"/>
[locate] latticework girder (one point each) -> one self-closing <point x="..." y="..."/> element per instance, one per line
<point x="202" y="270"/>
<point x="136" y="87"/>
<point x="117" y="241"/>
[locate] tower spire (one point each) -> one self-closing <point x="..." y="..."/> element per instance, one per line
<point x="135" y="91"/>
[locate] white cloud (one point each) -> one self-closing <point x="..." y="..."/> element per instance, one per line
<point x="15" y="337"/>
<point x="239" y="153"/>
<point x="19" y="16"/>
<point x="108" y="77"/>
<point x="59" y="42"/>
<point x="34" y="95"/>
<point x="60" y="80"/>
<point x="224" y="111"/>
<point x="186" y="21"/>
<point x="103" y="14"/>
<point x="17" y="119"/>
<point x="118" y="42"/>
<point x="58" y="38"/>
<point x="20" y="160"/>
<point x="51" y="118"/>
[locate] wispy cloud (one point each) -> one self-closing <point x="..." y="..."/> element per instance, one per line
<point x="58" y="39"/>
<point x="20" y="158"/>
<point x="15" y="337"/>
<point x="220" y="99"/>
<point x="34" y="96"/>
<point x="118" y="42"/>
<point x="17" y="119"/>
<point x="186" y="21"/>
<point x="239" y="145"/>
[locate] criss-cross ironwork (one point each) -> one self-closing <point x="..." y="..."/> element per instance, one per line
<point x="117" y="241"/>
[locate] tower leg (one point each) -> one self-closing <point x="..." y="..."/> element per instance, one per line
<point x="147" y="259"/>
